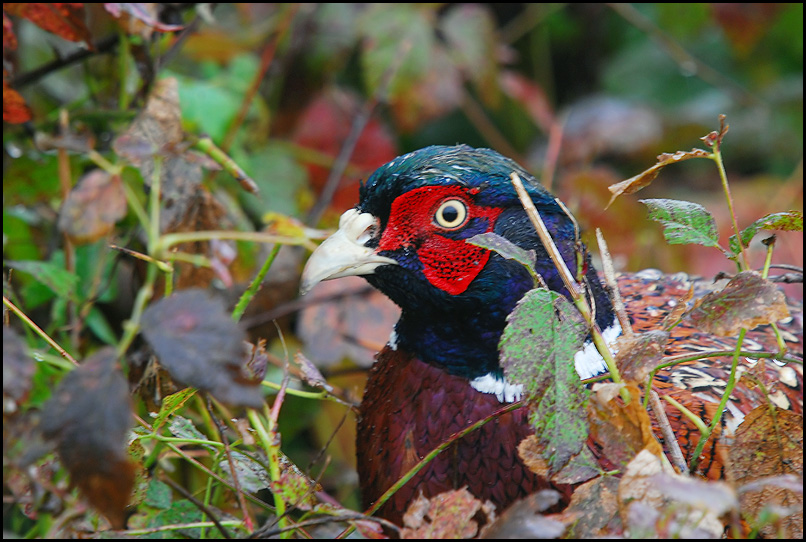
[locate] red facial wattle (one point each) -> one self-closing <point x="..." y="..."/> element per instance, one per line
<point x="449" y="263"/>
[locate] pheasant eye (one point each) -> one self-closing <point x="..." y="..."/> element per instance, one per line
<point x="451" y="214"/>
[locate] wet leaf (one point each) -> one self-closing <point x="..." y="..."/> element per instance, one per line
<point x="637" y="355"/>
<point x="787" y="221"/>
<point x="252" y="476"/>
<point x="645" y="178"/>
<point x="537" y="350"/>
<point x="66" y="20"/>
<point x="198" y="343"/>
<point x="89" y="417"/>
<point x="447" y="515"/>
<point x="769" y="444"/>
<point x="505" y="248"/>
<point x="684" y="222"/>
<point x="18" y="369"/>
<point x="746" y="302"/>
<point x="92" y="207"/>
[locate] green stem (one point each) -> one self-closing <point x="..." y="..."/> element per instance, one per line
<point x="272" y="449"/>
<point x="570" y="282"/>
<point x="696" y="420"/>
<point x="251" y="292"/>
<point x="722" y="404"/>
<point x="716" y="156"/>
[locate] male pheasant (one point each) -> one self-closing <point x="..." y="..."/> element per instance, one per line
<point x="440" y="372"/>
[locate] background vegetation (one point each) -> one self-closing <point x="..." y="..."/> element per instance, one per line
<point x="255" y="123"/>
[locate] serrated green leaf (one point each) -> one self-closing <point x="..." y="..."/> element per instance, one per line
<point x="684" y="222"/>
<point x="786" y="221"/>
<point x="543" y="334"/>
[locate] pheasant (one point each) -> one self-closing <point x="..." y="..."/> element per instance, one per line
<point x="440" y="371"/>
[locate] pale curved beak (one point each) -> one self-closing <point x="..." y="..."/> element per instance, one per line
<point x="344" y="253"/>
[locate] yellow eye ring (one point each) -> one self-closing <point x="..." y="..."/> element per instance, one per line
<point x="451" y="214"/>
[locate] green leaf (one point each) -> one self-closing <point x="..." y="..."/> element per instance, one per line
<point x="786" y="221"/>
<point x="543" y="334"/>
<point x="171" y="404"/>
<point x="684" y="222"/>
<point x="158" y="495"/>
<point x="97" y="322"/>
<point x="506" y="249"/>
<point x="53" y="275"/>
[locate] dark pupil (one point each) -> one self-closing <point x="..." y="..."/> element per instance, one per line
<point x="449" y="214"/>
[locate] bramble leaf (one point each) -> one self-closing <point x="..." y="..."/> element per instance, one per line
<point x="786" y="221"/>
<point x="543" y="334"/>
<point x="746" y="302"/>
<point x="684" y="222"/>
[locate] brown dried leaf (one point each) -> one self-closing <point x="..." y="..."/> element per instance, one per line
<point x="769" y="443"/>
<point x="678" y="309"/>
<point x="310" y="373"/>
<point x="92" y="207"/>
<point x="579" y="468"/>
<point x="639" y="354"/>
<point x="200" y="345"/>
<point x="593" y="510"/>
<point x="447" y="515"/>
<point x="157" y="131"/>
<point x="645" y="178"/>
<point x="622" y="431"/>
<point x="746" y="302"/>
<point x="89" y="417"/>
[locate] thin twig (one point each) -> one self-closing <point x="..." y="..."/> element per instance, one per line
<point x="612" y="285"/>
<point x="668" y="434"/>
<point x="39" y="331"/>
